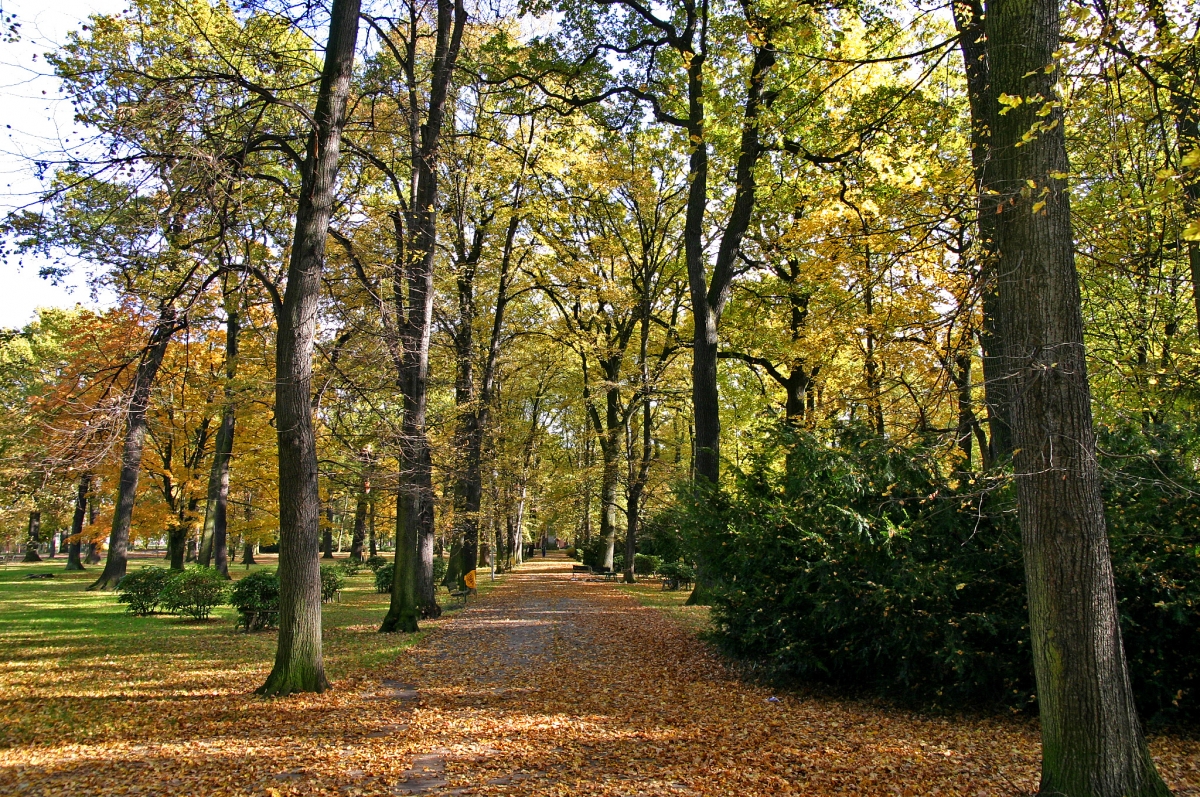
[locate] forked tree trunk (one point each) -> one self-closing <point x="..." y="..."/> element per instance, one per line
<point x="131" y="454"/>
<point x="299" y="664"/>
<point x="1092" y="744"/>
<point x="74" y="543"/>
<point x="416" y="269"/>
<point x="33" y="537"/>
<point x="214" y="547"/>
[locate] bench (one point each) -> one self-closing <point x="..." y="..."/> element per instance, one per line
<point x="257" y="620"/>
<point x="609" y="575"/>
<point x="584" y="569"/>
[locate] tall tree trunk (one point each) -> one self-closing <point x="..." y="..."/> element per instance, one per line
<point x="299" y="665"/>
<point x="75" y="544"/>
<point x="360" y="515"/>
<point x="177" y="534"/>
<point x="327" y="534"/>
<point x="403" y="610"/>
<point x="415" y="333"/>
<point x="969" y="20"/>
<point x="33" y="537"/>
<point x="610" y="448"/>
<point x="214" y="548"/>
<point x="93" y="549"/>
<point x="372" y="550"/>
<point x="1092" y="745"/>
<point x="131" y="453"/>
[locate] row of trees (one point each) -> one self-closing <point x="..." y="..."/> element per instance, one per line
<point x="519" y="282"/>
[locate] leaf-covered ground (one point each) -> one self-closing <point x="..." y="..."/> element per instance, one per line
<point x="543" y="685"/>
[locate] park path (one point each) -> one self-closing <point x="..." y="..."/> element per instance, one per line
<point x="555" y="685"/>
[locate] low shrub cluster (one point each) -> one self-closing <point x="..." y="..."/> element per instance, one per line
<point x="645" y="564"/>
<point x="373" y="563"/>
<point x="193" y="592"/>
<point x="333" y="578"/>
<point x="384" y="576"/>
<point x="858" y="564"/>
<point x="141" y="590"/>
<point x="256" y="598"/>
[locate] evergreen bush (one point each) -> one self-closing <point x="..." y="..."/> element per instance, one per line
<point x="256" y="599"/>
<point x="384" y="576"/>
<point x="194" y="592"/>
<point x="858" y="564"/>
<point x="375" y="562"/>
<point x="645" y="564"/>
<point x="141" y="590"/>
<point x="333" y="578"/>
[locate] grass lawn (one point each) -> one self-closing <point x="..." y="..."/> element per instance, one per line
<point x="76" y="666"/>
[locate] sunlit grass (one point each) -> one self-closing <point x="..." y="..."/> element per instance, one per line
<point x="649" y="592"/>
<point x="75" y="665"/>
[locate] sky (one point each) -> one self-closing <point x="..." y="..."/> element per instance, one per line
<point x="34" y="119"/>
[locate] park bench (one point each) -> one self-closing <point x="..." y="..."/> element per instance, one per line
<point x="8" y="558"/>
<point x="257" y="620"/>
<point x="675" y="582"/>
<point x="576" y="569"/>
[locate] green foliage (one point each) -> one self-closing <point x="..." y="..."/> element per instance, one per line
<point x="645" y="564"/>
<point x="375" y="562"/>
<point x="859" y="565"/>
<point x="333" y="578"/>
<point x="676" y="573"/>
<point x="141" y="590"/>
<point x="350" y="567"/>
<point x="256" y="598"/>
<point x="194" y="592"/>
<point x="440" y="565"/>
<point x="384" y="576"/>
<point x="574" y="553"/>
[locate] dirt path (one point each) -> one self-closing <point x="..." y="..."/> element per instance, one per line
<point x="554" y="686"/>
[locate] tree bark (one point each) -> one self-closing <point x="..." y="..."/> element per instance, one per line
<point x="131" y="454"/>
<point x="969" y="20"/>
<point x="360" y="516"/>
<point x="403" y="609"/>
<point x="214" y="548"/>
<point x="1092" y="745"/>
<point x="299" y="665"/>
<point x="33" y="537"/>
<point x="75" y="544"/>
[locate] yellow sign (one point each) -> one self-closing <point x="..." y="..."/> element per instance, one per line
<point x="469" y="578"/>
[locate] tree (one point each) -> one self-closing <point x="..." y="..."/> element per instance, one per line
<point x="1091" y="740"/>
<point x="299" y="665"/>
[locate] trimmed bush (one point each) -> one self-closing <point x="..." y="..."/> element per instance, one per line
<point x="645" y="564"/>
<point x="375" y="562"/>
<point x="440" y="565"/>
<point x="332" y="580"/>
<point x="350" y="567"/>
<point x="256" y="598"/>
<point x="141" y="590"/>
<point x="383" y="577"/>
<point x="194" y="592"/>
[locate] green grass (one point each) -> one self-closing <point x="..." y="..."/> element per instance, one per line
<point x="68" y="657"/>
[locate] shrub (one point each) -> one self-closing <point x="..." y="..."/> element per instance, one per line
<point x="332" y="581"/>
<point x="439" y="569"/>
<point x="645" y="564"/>
<point x="383" y="577"/>
<point x="256" y="598"/>
<point x="676" y="573"/>
<point x="858" y="564"/>
<point x="574" y="553"/>
<point x="194" y="592"/>
<point x="141" y="590"/>
<point x="351" y="567"/>
<point x="375" y="562"/>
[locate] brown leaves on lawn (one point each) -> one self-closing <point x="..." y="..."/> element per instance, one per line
<point x="543" y="686"/>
